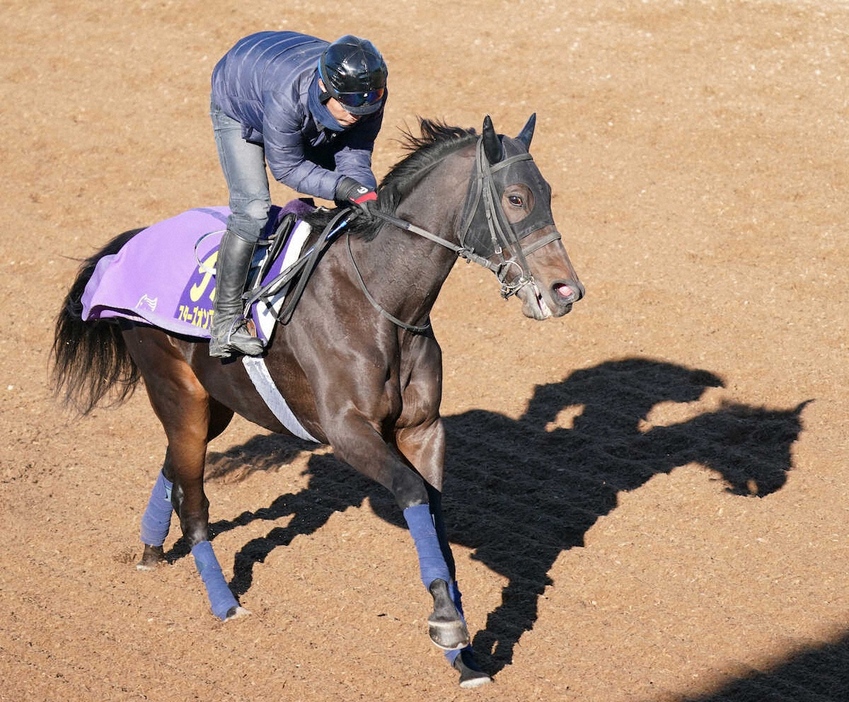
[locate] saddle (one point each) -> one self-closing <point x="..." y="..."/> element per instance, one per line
<point x="163" y="275"/>
<point x="282" y="270"/>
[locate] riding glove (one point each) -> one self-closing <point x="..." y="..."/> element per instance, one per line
<point x="351" y="191"/>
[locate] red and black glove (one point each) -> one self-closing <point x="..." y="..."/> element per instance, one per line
<point x="350" y="191"/>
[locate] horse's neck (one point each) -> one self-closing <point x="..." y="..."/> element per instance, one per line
<point x="409" y="269"/>
<point x="405" y="271"/>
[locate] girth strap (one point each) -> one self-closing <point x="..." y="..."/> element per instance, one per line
<point x="265" y="386"/>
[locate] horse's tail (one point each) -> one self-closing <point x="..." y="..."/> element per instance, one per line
<point x="90" y="360"/>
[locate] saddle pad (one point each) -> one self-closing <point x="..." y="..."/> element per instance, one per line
<point x="163" y="275"/>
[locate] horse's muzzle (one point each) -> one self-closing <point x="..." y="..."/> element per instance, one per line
<point x="554" y="301"/>
<point x="562" y="295"/>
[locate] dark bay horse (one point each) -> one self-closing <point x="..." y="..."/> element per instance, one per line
<point x="357" y="364"/>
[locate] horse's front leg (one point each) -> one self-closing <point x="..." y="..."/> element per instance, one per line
<point x="424" y="448"/>
<point x="446" y="624"/>
<point x="412" y="494"/>
<point x="359" y="444"/>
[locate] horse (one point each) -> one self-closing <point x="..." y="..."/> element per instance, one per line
<point x="357" y="364"/>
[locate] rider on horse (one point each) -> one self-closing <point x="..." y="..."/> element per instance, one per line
<point x="312" y="110"/>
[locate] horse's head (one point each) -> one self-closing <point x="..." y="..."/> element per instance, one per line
<point x="507" y="220"/>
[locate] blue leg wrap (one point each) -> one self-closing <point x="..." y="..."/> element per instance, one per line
<point x="457" y="598"/>
<point x="157" y="517"/>
<point x="220" y="597"/>
<point x="431" y="560"/>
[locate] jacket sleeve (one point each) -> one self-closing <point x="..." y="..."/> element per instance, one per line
<point x="354" y="157"/>
<point x="284" y="150"/>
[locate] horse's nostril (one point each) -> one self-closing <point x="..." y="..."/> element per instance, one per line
<point x="567" y="293"/>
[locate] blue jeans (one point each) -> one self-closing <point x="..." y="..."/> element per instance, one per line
<point x="243" y="164"/>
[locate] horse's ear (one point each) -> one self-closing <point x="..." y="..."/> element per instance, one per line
<point x="491" y="143"/>
<point x="527" y="132"/>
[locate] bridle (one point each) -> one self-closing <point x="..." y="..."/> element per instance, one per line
<point x="484" y="228"/>
<point x="482" y="202"/>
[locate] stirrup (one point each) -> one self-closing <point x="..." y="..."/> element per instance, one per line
<point x="237" y="339"/>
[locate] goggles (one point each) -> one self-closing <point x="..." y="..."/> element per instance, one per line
<point x="360" y="99"/>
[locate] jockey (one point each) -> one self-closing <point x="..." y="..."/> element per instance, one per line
<point x="309" y="109"/>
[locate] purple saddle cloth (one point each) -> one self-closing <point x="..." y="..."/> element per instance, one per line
<point x="164" y="276"/>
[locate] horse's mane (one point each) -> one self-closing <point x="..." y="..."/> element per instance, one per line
<point x="436" y="141"/>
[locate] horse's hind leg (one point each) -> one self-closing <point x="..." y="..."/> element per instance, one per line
<point x="190" y="417"/>
<point x="156" y="521"/>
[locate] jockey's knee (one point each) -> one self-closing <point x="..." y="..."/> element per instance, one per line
<point x="257" y="209"/>
<point x="248" y="222"/>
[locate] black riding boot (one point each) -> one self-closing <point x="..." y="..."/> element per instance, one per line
<point x="229" y="331"/>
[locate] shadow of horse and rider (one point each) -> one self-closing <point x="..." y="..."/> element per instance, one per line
<point x="518" y="492"/>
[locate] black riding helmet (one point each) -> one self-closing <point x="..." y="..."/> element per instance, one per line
<point x="354" y="73"/>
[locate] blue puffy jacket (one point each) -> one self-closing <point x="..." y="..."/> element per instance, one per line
<point x="268" y="82"/>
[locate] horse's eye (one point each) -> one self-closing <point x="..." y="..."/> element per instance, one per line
<point x="516" y="200"/>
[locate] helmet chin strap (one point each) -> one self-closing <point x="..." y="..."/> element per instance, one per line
<point x="323" y="95"/>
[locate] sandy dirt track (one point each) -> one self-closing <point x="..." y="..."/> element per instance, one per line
<point x="648" y="497"/>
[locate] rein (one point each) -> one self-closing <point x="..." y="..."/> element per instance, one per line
<point x="304" y="265"/>
<point x="485" y="193"/>
<point x="462" y="251"/>
<point x="397" y="322"/>
<point x="501" y="233"/>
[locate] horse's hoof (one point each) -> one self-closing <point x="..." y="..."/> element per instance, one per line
<point x="448" y="635"/>
<point x="446" y="627"/>
<point x="470" y="675"/>
<point x="474" y="679"/>
<point x="236" y="613"/>
<point x="152" y="557"/>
